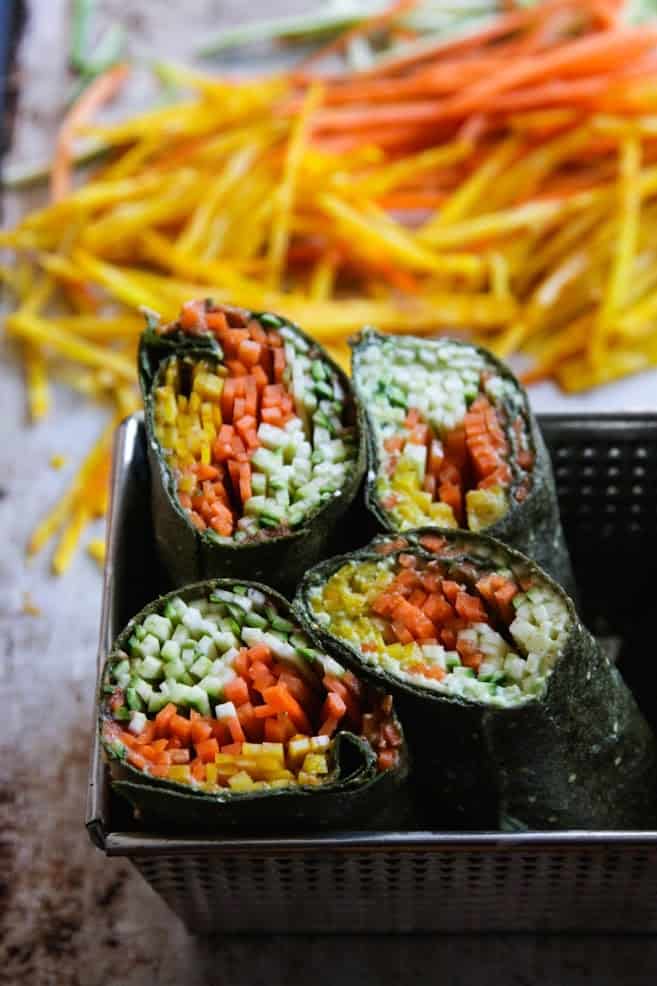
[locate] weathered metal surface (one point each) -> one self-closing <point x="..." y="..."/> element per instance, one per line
<point x="68" y="915"/>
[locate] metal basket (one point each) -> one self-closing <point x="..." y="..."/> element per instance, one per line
<point x="606" y="470"/>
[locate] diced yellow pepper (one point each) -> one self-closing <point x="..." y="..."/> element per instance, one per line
<point x="211" y="773"/>
<point x="179" y="772"/>
<point x="241" y="782"/>
<point x="208" y="386"/>
<point x="315" y="763"/>
<point x="485" y="507"/>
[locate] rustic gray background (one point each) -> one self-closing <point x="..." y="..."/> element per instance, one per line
<point x="67" y="914"/>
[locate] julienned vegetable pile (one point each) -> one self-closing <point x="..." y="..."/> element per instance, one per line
<point x="215" y="699"/>
<point x="500" y="183"/>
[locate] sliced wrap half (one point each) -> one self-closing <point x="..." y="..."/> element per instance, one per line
<point x="452" y="443"/>
<point x="216" y="711"/>
<point x="255" y="443"/>
<point x="514" y="716"/>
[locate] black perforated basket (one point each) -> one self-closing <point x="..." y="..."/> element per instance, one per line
<point x="606" y="471"/>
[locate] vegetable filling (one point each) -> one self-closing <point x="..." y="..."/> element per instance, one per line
<point x="257" y="442"/>
<point x="452" y="624"/>
<point x="226" y="692"/>
<point x="450" y="432"/>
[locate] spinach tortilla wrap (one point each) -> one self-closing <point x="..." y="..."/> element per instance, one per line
<point x="452" y="443"/>
<point x="255" y="444"/>
<point x="216" y="711"/>
<point x="514" y="716"/>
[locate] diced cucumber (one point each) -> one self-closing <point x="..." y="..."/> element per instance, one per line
<point x="157" y="701"/>
<point x="231" y="598"/>
<point x="278" y="622"/>
<point x="170" y="650"/>
<point x="253" y="619"/>
<point x="452" y="661"/>
<point x="159" y="626"/>
<point x="268" y="319"/>
<point x="212" y="686"/>
<point x="201" y="667"/>
<point x="225" y="639"/>
<point x="206" y="647"/>
<point x="132" y="698"/>
<point x="174" y="669"/>
<point x="150" y="668"/>
<point x="143" y="689"/>
<point x="180" y="634"/>
<point x="225" y="711"/>
<point x="140" y="633"/>
<point x="150" y="645"/>
<point x="258" y="483"/>
<point x="137" y="722"/>
<point x="188" y="654"/>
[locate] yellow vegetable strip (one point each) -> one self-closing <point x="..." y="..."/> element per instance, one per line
<point x="49" y="334"/>
<point x="628" y="227"/>
<point x="471" y="190"/>
<point x="96" y="549"/>
<point x="69" y="540"/>
<point x="280" y="228"/>
<point x="389" y="236"/>
<point x="61" y="511"/>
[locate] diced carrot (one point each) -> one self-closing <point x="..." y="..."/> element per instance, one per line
<point x="249" y="352"/>
<point x="450" y="590"/>
<point x="241" y="662"/>
<point x="207" y="749"/>
<point x="245" y="481"/>
<point x="387" y="759"/>
<point x="197" y="768"/>
<point x="281" y="699"/>
<point x="432" y="543"/>
<point x="128" y="739"/>
<point x="220" y="731"/>
<point x="250" y="397"/>
<point x="251" y="724"/>
<point x="394" y="443"/>
<point x="274" y="340"/>
<point x="236" y="730"/>
<point x="451" y="494"/>
<point x="147" y="734"/>
<point x="180" y="727"/>
<point x="272" y="416"/>
<point x="158" y="769"/>
<point x="417" y="598"/>
<point x="279" y="364"/>
<point x="236" y="368"/>
<point x="222" y="520"/>
<point x="191" y="315"/>
<point x="470" y="608"/>
<point x="206" y="472"/>
<point x="180" y="756"/>
<point x="239" y="409"/>
<point x="175" y="743"/>
<point x="403" y="635"/>
<point x="232" y="749"/>
<point x="412" y="418"/>
<point x="407" y="561"/>
<point x="264" y="711"/>
<point x="437" y="609"/>
<point x="448" y="638"/>
<point x="391" y="734"/>
<point x="279" y="729"/>
<point x="260" y="652"/>
<point x="236" y="691"/>
<point x="260" y="377"/>
<point x="257" y="333"/>
<point x="334" y="707"/>
<point x="200" y="731"/>
<point x="216" y="321"/>
<point x="328" y="727"/>
<point x="136" y="759"/>
<point x="163" y="719"/>
<point x="228" y="399"/>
